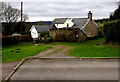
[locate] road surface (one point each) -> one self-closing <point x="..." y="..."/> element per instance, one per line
<point x="67" y="69"/>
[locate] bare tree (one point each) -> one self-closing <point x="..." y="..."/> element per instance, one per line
<point x="2" y="8"/>
<point x="9" y="14"/>
<point x="25" y="17"/>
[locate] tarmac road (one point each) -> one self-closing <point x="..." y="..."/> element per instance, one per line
<point x="68" y="69"/>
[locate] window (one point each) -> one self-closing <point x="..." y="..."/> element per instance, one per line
<point x="67" y="25"/>
<point x="77" y="35"/>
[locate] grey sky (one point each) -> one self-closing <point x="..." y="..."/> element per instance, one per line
<point x="38" y="11"/>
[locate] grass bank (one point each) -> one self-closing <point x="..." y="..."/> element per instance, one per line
<point x="90" y="48"/>
<point x="21" y="50"/>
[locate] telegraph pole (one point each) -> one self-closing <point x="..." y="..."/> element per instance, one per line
<point x="21" y="14"/>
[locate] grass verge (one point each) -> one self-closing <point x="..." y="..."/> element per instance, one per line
<point x="90" y="48"/>
<point x="21" y="50"/>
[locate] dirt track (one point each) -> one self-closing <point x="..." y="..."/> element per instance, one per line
<point x="59" y="51"/>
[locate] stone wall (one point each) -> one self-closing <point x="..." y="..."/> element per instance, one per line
<point x="91" y="29"/>
<point x="67" y="34"/>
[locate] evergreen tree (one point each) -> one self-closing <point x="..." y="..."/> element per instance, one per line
<point x="116" y="14"/>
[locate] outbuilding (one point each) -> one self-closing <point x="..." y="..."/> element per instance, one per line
<point x="37" y="29"/>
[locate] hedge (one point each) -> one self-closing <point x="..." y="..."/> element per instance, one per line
<point x="112" y="31"/>
<point x="15" y="39"/>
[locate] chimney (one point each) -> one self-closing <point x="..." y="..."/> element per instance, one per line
<point x="90" y="15"/>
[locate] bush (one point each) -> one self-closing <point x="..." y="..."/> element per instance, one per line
<point x="47" y="39"/>
<point x="15" y="39"/>
<point x="44" y="34"/>
<point x="100" y="32"/>
<point x="100" y="29"/>
<point x="43" y="38"/>
<point x="112" y="31"/>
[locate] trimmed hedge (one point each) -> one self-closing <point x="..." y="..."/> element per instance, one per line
<point x="15" y="39"/>
<point x="112" y="31"/>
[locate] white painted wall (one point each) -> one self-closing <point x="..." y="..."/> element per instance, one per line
<point x="68" y="21"/>
<point x="60" y="25"/>
<point x="34" y="33"/>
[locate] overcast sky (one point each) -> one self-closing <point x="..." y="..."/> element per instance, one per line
<point x="43" y="11"/>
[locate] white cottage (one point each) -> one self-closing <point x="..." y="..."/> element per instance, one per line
<point x="37" y="29"/>
<point x="86" y="25"/>
<point x="63" y="22"/>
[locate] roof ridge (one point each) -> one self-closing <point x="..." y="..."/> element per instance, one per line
<point x="41" y="25"/>
<point x="80" y="18"/>
<point x="72" y="18"/>
<point x="61" y="18"/>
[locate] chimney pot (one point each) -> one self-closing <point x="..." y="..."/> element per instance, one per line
<point x="89" y="11"/>
<point x="90" y="15"/>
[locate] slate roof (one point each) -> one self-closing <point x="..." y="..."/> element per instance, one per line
<point x="59" y="20"/>
<point x="42" y="28"/>
<point x="80" y="22"/>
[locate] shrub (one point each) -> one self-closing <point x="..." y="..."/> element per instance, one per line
<point x="43" y="38"/>
<point x="100" y="32"/>
<point x="47" y="39"/>
<point x="100" y="29"/>
<point x="112" y="31"/>
<point x="15" y="39"/>
<point x="43" y="34"/>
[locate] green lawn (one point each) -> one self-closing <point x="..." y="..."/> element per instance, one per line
<point x="90" y="49"/>
<point x="19" y="51"/>
<point x="83" y="49"/>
